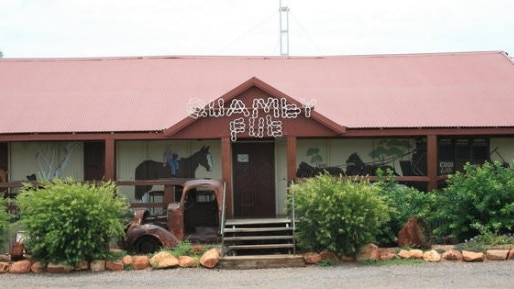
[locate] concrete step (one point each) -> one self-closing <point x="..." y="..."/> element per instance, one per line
<point x="260" y="247"/>
<point x="257" y="230"/>
<point x="258" y="238"/>
<point x="256" y="221"/>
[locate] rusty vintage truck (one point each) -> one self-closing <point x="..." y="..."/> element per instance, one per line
<point x="195" y="216"/>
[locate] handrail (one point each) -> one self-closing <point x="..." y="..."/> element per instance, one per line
<point x="222" y="221"/>
<point x="293" y="215"/>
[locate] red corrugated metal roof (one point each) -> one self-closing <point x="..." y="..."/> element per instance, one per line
<point x="151" y="93"/>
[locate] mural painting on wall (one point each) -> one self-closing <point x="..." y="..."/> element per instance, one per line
<point x="505" y="163"/>
<point x="52" y="158"/>
<point x="307" y="171"/>
<point x="172" y="166"/>
<point x="418" y="165"/>
<point x="385" y="153"/>
<point x="412" y="161"/>
<point x="356" y="167"/>
<point x="261" y="119"/>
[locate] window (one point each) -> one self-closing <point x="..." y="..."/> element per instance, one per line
<point x="454" y="153"/>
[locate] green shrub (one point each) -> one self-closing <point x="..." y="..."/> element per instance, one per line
<point x="337" y="214"/>
<point x="491" y="237"/>
<point x="183" y="248"/>
<point x="481" y="194"/>
<point x="68" y="222"/>
<point x="405" y="202"/>
<point x="4" y="224"/>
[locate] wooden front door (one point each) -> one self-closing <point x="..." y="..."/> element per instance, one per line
<point x="253" y="172"/>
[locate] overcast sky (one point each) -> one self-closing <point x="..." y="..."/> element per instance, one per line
<point x="83" y="28"/>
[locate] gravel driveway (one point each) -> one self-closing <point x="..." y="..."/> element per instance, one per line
<point x="445" y="275"/>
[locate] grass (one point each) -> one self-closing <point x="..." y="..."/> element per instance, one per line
<point x="397" y="261"/>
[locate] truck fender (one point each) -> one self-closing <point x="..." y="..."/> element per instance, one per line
<point x="165" y="237"/>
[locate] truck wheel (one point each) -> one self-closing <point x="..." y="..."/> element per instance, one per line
<point x="147" y="244"/>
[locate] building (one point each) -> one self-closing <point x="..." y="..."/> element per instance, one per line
<point x="256" y="121"/>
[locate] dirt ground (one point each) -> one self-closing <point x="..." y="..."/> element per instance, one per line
<point x="489" y="274"/>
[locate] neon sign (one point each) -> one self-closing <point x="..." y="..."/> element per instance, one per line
<point x="262" y="119"/>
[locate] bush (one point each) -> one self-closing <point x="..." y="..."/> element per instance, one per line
<point x="337" y="214"/>
<point x="485" y="239"/>
<point x="68" y="222"/>
<point x="405" y="203"/>
<point x="4" y="223"/>
<point x="481" y="194"/>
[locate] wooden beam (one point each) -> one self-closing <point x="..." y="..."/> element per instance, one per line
<point x="387" y="132"/>
<point x="110" y="159"/>
<point x="432" y="162"/>
<point x="226" y="171"/>
<point x="291" y="158"/>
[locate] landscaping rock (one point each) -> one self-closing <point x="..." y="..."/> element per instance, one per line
<point x="127" y="261"/>
<point x="328" y="256"/>
<point x="511" y="254"/>
<point x="17" y="251"/>
<point x="386" y="254"/>
<point x="97" y="266"/>
<point x="197" y="249"/>
<point x="452" y="255"/>
<point x="404" y="254"/>
<point x="140" y="262"/>
<point x="497" y="255"/>
<point x="311" y="258"/>
<point x="58" y="268"/>
<point x="347" y="258"/>
<point x="416" y="253"/>
<point x="116" y="265"/>
<point x="4" y="267"/>
<point x="37" y="267"/>
<point x="413" y="234"/>
<point x="210" y="258"/>
<point x="82" y="266"/>
<point x="187" y="262"/>
<point x="432" y="256"/>
<point x="470" y="256"/>
<point x="163" y="260"/>
<point x="20" y="267"/>
<point x="369" y="252"/>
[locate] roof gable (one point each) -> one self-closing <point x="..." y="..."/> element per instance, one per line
<point x="258" y="110"/>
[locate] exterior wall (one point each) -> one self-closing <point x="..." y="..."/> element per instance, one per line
<point x="330" y="152"/>
<point x="23" y="159"/>
<point x="129" y="154"/>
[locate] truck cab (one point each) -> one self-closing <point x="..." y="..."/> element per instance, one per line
<point x="195" y="216"/>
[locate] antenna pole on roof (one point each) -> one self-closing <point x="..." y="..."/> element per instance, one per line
<point x="284" y="28"/>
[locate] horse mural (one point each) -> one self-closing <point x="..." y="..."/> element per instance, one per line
<point x="356" y="167"/>
<point x="307" y="171"/>
<point x="186" y="168"/>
